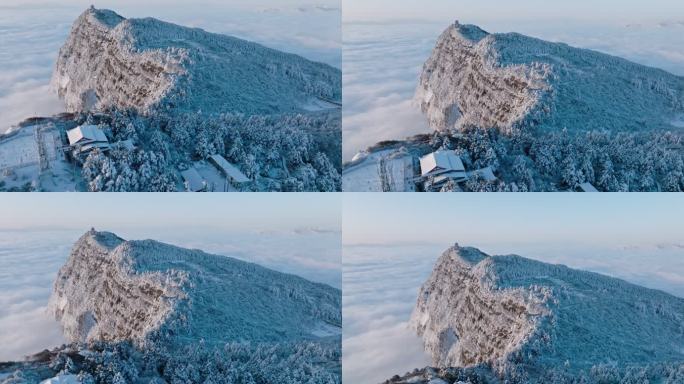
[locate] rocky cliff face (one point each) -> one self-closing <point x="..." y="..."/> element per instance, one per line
<point x="99" y="296"/>
<point x="149" y="65"/>
<point x="510" y="314"/>
<point x="145" y="291"/>
<point x="510" y="81"/>
<point x="464" y="320"/>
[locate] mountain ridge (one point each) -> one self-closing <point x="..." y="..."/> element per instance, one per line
<point x="510" y="81"/>
<point x="149" y="292"/>
<point x="152" y="66"/>
<point x="517" y="319"/>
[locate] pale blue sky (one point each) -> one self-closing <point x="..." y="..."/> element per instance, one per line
<point x="588" y="219"/>
<point x="230" y="212"/>
<point x="609" y="11"/>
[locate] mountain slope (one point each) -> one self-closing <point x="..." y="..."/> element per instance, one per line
<point x="149" y="292"/>
<point x="523" y="318"/>
<point x="510" y="81"/>
<point x="149" y="65"/>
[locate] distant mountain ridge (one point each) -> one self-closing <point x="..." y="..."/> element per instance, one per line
<point x="150" y="65"/>
<point x="510" y="81"/>
<point x="149" y="292"/>
<point x="516" y="320"/>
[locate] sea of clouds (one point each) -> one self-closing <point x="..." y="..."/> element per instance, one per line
<point x="33" y="31"/>
<point x="381" y="283"/>
<point x="31" y="259"/>
<point x="383" y="61"/>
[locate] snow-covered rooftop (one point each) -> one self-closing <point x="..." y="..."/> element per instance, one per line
<point x="194" y="180"/>
<point x="441" y="161"/>
<point x="229" y="169"/>
<point x="86" y="134"/>
<point x="587" y="187"/>
<point x="458" y="176"/>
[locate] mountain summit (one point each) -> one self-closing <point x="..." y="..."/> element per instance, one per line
<point x="527" y="321"/>
<point x="149" y="292"/>
<point x="510" y="81"/>
<point x="145" y="64"/>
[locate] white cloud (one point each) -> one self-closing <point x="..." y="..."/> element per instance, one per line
<point x="380" y="287"/>
<point x="29" y="47"/>
<point x="28" y="102"/>
<point x="29" y="266"/>
<point x="396" y="351"/>
<point x="28" y="331"/>
<point x="381" y="67"/>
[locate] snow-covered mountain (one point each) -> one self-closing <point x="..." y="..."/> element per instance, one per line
<point x="510" y="81"/>
<point x="146" y="64"/>
<point x="112" y="290"/>
<point x="144" y="311"/>
<point x="168" y="100"/>
<point x="542" y="116"/>
<point x="521" y="320"/>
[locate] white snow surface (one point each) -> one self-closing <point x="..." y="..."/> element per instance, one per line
<point x="145" y="291"/>
<point x="146" y="64"/>
<point x="382" y="171"/>
<point x="32" y="153"/>
<point x="510" y="81"/>
<point x="506" y="310"/>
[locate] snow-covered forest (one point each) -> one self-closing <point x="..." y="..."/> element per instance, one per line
<point x="300" y="152"/>
<point x="234" y="363"/>
<point x="666" y="373"/>
<point x="611" y="161"/>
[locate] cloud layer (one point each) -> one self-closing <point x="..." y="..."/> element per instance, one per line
<point x="29" y="266"/>
<point x="380" y="72"/>
<point x="27" y="51"/>
<point x="380" y="287"/>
